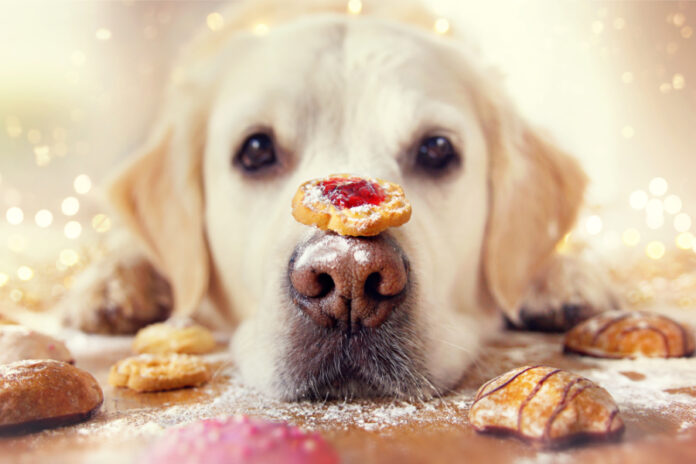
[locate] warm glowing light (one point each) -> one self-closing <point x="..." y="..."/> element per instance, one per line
<point x="658" y="186"/>
<point x="25" y="273"/>
<point x="562" y="245"/>
<point x="82" y="184"/>
<point x="441" y="26"/>
<point x="687" y="32"/>
<point x="654" y="214"/>
<point x="628" y="132"/>
<point x="16" y="243"/>
<point x="16" y="295"/>
<point x="42" y="155"/>
<point x="685" y="240"/>
<point x="655" y="250"/>
<point x="43" y="218"/>
<point x="260" y="29"/>
<point x="682" y="222"/>
<point x="673" y="204"/>
<point x="678" y="81"/>
<point x="215" y="21"/>
<point x="638" y="199"/>
<point x="4" y="278"/>
<point x="627" y="77"/>
<point x="103" y="34"/>
<point x="70" y="206"/>
<point x="678" y="19"/>
<point x="354" y="6"/>
<point x="72" y="229"/>
<point x="631" y="237"/>
<point x="593" y="224"/>
<point x="68" y="257"/>
<point x="101" y="223"/>
<point x="665" y="87"/>
<point x="14" y="215"/>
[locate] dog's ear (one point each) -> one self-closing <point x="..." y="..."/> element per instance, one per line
<point x="535" y="191"/>
<point x="159" y="195"/>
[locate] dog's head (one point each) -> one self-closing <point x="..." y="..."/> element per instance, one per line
<point x="251" y="116"/>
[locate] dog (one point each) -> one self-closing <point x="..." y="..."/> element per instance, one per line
<point x="252" y="112"/>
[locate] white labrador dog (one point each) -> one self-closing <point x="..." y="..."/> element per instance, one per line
<point x="251" y="116"/>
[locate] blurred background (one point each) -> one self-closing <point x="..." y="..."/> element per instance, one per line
<point x="614" y="82"/>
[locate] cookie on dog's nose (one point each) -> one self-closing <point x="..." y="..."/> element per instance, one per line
<point x="351" y="205"/>
<point x="348" y="282"/>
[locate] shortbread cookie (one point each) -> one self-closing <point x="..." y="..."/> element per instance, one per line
<point x="18" y="343"/>
<point x="240" y="440"/>
<point x="157" y="372"/>
<point x="351" y="205"/>
<point x="547" y="406"/>
<point x="630" y="334"/>
<point x="37" y="394"/>
<point x="166" y="337"/>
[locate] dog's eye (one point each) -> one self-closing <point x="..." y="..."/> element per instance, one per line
<point x="436" y="153"/>
<point x="256" y="153"/>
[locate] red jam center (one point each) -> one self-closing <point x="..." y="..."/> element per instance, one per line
<point x="351" y="192"/>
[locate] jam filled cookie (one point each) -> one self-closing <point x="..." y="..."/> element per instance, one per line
<point x="240" y="440"/>
<point x="351" y="205"/>
<point x="37" y="394"/>
<point x="168" y="337"/>
<point x="546" y="406"/>
<point x="630" y="334"/>
<point x="18" y="343"/>
<point x="157" y="372"/>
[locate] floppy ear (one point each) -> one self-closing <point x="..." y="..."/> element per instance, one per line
<point x="535" y="191"/>
<point x="159" y="195"/>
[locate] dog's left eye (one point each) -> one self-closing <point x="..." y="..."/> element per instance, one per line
<point x="436" y="153"/>
<point x="257" y="152"/>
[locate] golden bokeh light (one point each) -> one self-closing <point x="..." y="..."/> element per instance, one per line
<point x="685" y="240"/>
<point x="354" y="6"/>
<point x="638" y="199"/>
<point x="43" y="218"/>
<point x="441" y="26"/>
<point x="682" y="222"/>
<point x="101" y="223"/>
<point x="82" y="184"/>
<point x="672" y="204"/>
<point x="68" y="257"/>
<point x="70" y="206"/>
<point x="658" y="186"/>
<point x="4" y="278"/>
<point x="260" y="29"/>
<point x="72" y="230"/>
<point x="215" y="21"/>
<point x="103" y="34"/>
<point x="25" y="273"/>
<point x="15" y="215"/>
<point x="655" y="250"/>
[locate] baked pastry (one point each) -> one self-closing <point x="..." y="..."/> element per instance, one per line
<point x="240" y="440"/>
<point x="547" y="406"/>
<point x="157" y="372"/>
<point x="168" y="337"/>
<point x="630" y="334"/>
<point x="38" y="394"/>
<point x="351" y="205"/>
<point x="18" y="343"/>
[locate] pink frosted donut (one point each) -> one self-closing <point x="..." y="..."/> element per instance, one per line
<point x="240" y="440"/>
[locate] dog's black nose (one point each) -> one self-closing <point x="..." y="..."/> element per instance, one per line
<point x="348" y="282"/>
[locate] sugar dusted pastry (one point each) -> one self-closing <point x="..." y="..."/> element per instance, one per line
<point x="169" y="337"/>
<point x="37" y="394"/>
<point x="630" y="334"/>
<point x="240" y="440"/>
<point x="18" y="343"/>
<point x="547" y="406"/>
<point x="157" y="372"/>
<point x="351" y="205"/>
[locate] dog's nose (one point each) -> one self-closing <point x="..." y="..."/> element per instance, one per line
<point x="348" y="282"/>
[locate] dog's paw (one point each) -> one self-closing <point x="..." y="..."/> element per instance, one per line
<point x="117" y="296"/>
<point x="567" y="292"/>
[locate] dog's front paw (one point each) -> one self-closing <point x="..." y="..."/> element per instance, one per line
<point x="117" y="296"/>
<point x="567" y="292"/>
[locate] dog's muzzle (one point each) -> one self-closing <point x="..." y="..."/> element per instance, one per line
<point x="348" y="282"/>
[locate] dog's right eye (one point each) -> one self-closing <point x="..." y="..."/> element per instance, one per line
<point x="257" y="152"/>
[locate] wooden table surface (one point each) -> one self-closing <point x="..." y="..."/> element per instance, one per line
<point x="381" y="431"/>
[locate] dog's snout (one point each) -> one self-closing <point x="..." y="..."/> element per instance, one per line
<point x="347" y="282"/>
